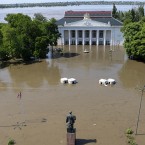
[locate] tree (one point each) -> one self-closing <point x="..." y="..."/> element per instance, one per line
<point x="121" y="16"/>
<point x="134" y="34"/>
<point x="133" y="15"/>
<point x="141" y="12"/>
<point x="41" y="44"/>
<point x="52" y="32"/>
<point x="49" y="36"/>
<point x="10" y="42"/>
<point x="114" y="11"/>
<point x="23" y="37"/>
<point x="1" y="38"/>
<point x="26" y="32"/>
<point x="39" y="17"/>
<point x="3" y="54"/>
<point x="3" y="51"/>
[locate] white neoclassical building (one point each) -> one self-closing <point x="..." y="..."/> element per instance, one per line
<point x="89" y="28"/>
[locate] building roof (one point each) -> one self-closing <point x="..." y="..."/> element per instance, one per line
<point x="100" y="16"/>
<point x="91" y="13"/>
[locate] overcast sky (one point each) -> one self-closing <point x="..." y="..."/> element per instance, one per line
<point x="39" y="1"/>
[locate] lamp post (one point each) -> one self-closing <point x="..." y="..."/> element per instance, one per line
<point x="142" y="91"/>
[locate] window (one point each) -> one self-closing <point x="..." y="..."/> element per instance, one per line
<point x="86" y="42"/>
<point x="80" y="33"/>
<point x="80" y="42"/>
<point x="100" y="42"/>
<point x="94" y="34"/>
<point x="93" y="42"/>
<point x="101" y="34"/>
<point x="87" y="33"/>
<point x="73" y="33"/>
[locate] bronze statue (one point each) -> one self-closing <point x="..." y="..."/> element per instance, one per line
<point x="70" y="120"/>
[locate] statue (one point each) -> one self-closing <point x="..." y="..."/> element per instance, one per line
<point x="70" y="120"/>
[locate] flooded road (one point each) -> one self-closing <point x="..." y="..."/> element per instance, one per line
<point x="103" y="113"/>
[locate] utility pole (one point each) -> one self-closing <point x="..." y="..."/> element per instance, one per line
<point x="142" y="92"/>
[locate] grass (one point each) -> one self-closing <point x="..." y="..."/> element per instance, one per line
<point x="130" y="138"/>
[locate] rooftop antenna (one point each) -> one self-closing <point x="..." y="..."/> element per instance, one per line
<point x="142" y="92"/>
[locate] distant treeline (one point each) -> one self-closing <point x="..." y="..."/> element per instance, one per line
<point x="52" y="4"/>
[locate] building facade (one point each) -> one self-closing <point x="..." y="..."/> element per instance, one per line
<point x="89" y="28"/>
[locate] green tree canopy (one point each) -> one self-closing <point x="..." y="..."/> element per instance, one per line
<point x="134" y="34"/>
<point x="23" y="37"/>
<point x="114" y="11"/>
<point x="51" y="31"/>
<point x="39" y="17"/>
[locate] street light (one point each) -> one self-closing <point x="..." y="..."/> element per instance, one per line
<point x="142" y="90"/>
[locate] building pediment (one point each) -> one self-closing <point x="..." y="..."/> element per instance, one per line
<point x="87" y="23"/>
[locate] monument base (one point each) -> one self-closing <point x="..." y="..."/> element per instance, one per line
<point x="71" y="138"/>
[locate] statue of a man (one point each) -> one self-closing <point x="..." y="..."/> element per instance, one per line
<point x="70" y="120"/>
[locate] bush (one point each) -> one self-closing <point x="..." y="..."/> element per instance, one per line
<point x="11" y="142"/>
<point x="129" y="131"/>
<point x="130" y="138"/>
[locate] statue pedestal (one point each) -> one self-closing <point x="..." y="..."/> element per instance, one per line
<point x="71" y="138"/>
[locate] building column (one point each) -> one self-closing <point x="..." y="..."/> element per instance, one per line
<point x="83" y="37"/>
<point x="69" y="37"/>
<point x="97" y="37"/>
<point x="62" y="37"/>
<point x="111" y="41"/>
<point x="76" y="37"/>
<point x="90" y="37"/>
<point x="104" y="37"/>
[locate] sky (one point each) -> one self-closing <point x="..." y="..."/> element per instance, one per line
<point x="41" y="1"/>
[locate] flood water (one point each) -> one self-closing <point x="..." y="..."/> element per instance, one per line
<point x="58" y="12"/>
<point x="103" y="113"/>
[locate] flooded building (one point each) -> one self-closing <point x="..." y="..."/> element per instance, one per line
<point x="89" y="28"/>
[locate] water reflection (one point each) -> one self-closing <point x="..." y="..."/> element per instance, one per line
<point x="100" y="62"/>
<point x="98" y="54"/>
<point x="49" y="57"/>
<point x="5" y="78"/>
<point x="34" y="75"/>
<point x="53" y="73"/>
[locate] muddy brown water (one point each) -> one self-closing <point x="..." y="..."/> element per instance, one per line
<point x="103" y="113"/>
